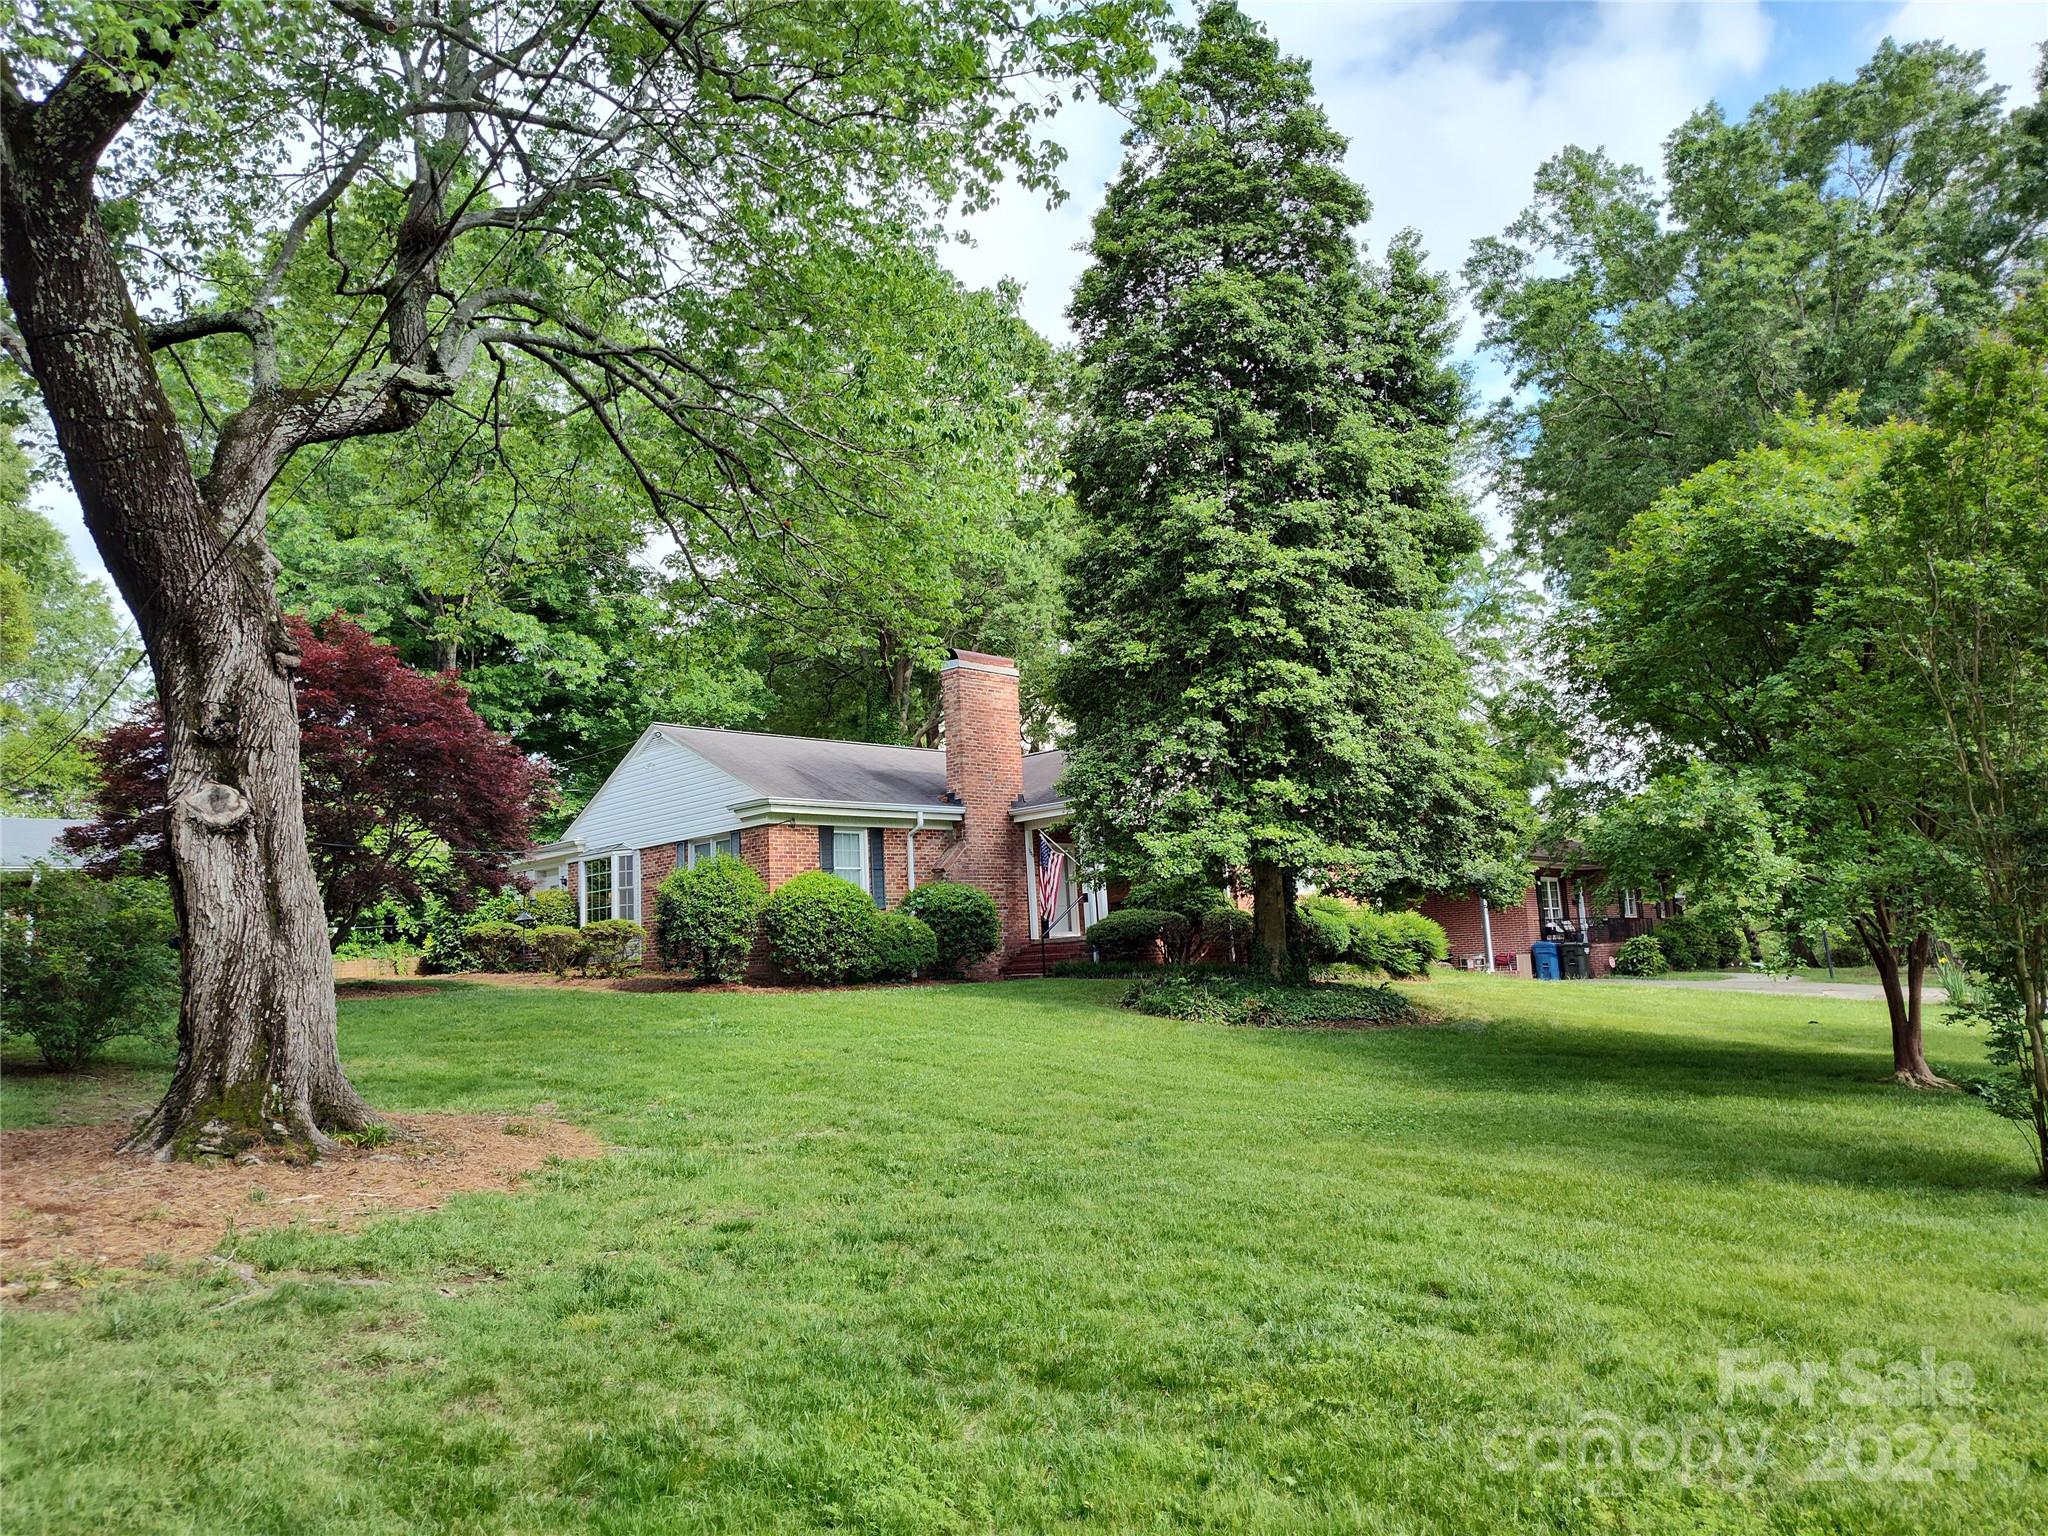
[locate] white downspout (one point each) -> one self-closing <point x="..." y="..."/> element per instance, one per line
<point x="1486" y="927"/>
<point x="910" y="849"/>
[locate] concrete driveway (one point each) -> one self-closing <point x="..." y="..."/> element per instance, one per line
<point x="1782" y="986"/>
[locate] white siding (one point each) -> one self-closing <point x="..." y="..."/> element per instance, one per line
<point x="662" y="793"/>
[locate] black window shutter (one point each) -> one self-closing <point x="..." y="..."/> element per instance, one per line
<point x="878" y="868"/>
<point x="824" y="847"/>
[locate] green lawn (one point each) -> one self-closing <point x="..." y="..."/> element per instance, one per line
<point x="1007" y="1259"/>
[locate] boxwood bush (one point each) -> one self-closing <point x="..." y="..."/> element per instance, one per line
<point x="706" y="917"/>
<point x="1641" y="956"/>
<point x="557" y="947"/>
<point x="84" y="961"/>
<point x="497" y="945"/>
<point x="905" y="946"/>
<point x="963" y="920"/>
<point x="1695" y="943"/>
<point x="1211" y="998"/>
<point x="1129" y="936"/>
<point x="822" y="928"/>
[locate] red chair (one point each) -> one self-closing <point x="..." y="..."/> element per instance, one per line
<point x="1507" y="963"/>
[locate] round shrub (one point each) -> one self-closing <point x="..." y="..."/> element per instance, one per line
<point x="1325" y="928"/>
<point x="706" y="915"/>
<point x="498" y="946"/>
<point x="1420" y="941"/>
<point x="553" y="905"/>
<point x="1129" y="935"/>
<point x="557" y="947"/>
<point x="904" y="946"/>
<point x="1226" y="934"/>
<point x="1641" y="956"/>
<point x="963" y="918"/>
<point x="822" y="928"/>
<point x="612" y="947"/>
<point x="84" y="960"/>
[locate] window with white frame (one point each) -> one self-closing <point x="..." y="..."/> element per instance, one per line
<point x="710" y="847"/>
<point x="1631" y="904"/>
<point x="626" y="886"/>
<point x="1550" y="894"/>
<point x="611" y="888"/>
<point x="850" y="855"/>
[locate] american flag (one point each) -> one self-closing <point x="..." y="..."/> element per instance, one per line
<point x="1052" y="864"/>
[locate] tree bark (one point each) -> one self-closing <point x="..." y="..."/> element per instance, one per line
<point x="1272" y="899"/>
<point x="1902" y="995"/>
<point x="257" y="1054"/>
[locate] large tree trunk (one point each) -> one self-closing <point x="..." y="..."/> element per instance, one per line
<point x="257" y="1057"/>
<point x="1272" y="906"/>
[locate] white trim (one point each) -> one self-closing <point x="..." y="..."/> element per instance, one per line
<point x="836" y="813"/>
<point x="1031" y="815"/>
<point x="1631" y="903"/>
<point x="1545" y="913"/>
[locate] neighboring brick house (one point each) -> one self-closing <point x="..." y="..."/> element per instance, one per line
<point x="886" y="818"/>
<point x="1561" y="902"/>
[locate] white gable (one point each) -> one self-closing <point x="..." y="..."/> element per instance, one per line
<point x="661" y="792"/>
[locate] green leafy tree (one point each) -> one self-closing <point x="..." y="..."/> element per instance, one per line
<point x="1707" y="641"/>
<point x="671" y="214"/>
<point x="1948" y="591"/>
<point x="1258" y="675"/>
<point x="63" y="652"/>
<point x="1850" y="236"/>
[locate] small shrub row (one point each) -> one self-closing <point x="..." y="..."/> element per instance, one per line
<point x="825" y="929"/>
<point x="1213" y="998"/>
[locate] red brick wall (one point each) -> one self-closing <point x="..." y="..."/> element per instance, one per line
<point x="656" y="865"/>
<point x="1514" y="928"/>
<point x="985" y="773"/>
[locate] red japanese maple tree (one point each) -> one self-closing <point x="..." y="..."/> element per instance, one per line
<point x="407" y="791"/>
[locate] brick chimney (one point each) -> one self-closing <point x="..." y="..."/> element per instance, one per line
<point x="985" y="773"/>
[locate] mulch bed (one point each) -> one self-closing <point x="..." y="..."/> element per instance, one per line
<point x="68" y="1199"/>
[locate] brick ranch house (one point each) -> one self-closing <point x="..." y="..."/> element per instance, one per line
<point x="1560" y="903"/>
<point x="885" y="818"/>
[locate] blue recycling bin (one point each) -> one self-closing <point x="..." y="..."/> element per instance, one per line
<point x="1543" y="962"/>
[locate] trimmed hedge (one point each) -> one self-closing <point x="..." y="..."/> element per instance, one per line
<point x="822" y="928"/>
<point x="904" y="946"/>
<point x="1641" y="956"/>
<point x="963" y="920"/>
<point x="706" y="917"/>
<point x="1129" y="935"/>
<point x="557" y="947"/>
<point x="553" y="905"/>
<point x="1232" y="999"/>
<point x="498" y="946"/>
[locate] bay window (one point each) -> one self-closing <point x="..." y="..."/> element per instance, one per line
<point x="611" y="888"/>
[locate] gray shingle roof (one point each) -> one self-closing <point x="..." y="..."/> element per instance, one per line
<point x="1042" y="772"/>
<point x="806" y="768"/>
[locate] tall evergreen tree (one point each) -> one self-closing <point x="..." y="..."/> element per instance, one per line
<point x="1258" y="676"/>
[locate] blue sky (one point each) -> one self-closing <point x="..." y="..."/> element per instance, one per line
<point x="1450" y="108"/>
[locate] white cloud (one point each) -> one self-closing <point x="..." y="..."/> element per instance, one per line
<point x="2010" y="33"/>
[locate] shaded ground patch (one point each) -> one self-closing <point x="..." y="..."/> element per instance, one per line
<point x="68" y="1199"/>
